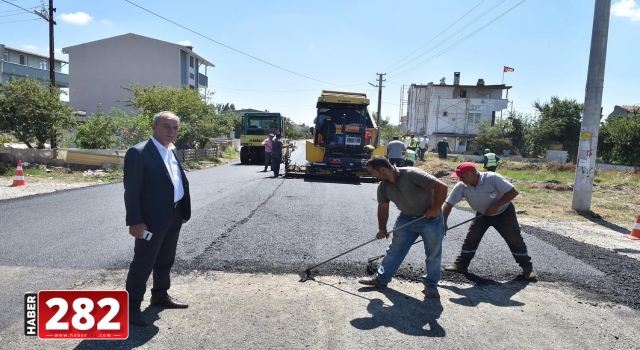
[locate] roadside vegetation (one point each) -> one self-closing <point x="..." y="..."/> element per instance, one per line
<point x="546" y="190"/>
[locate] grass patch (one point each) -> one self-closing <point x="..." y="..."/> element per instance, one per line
<point x="230" y="153"/>
<point x="546" y="189"/>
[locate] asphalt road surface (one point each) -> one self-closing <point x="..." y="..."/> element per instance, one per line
<point x="249" y="237"/>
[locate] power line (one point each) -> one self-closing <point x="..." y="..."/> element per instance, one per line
<point x="16" y="14"/>
<point x="24" y="20"/>
<point x="227" y="46"/>
<point x="432" y="39"/>
<point x="10" y="3"/>
<point x="457" y="42"/>
<point x="452" y="35"/>
<point x="9" y="11"/>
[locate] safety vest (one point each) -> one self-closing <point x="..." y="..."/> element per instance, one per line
<point x="491" y="159"/>
<point x="414" y="143"/>
<point x="410" y="155"/>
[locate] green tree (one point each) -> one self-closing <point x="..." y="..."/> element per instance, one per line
<point x="387" y="130"/>
<point x="115" y="129"/>
<point x="31" y="110"/>
<point x="619" y="139"/>
<point x="518" y="131"/>
<point x="559" y="121"/>
<point x="151" y="99"/>
<point x="199" y="121"/>
<point x="494" y="137"/>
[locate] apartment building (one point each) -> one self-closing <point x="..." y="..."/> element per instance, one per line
<point x="98" y="69"/>
<point x="452" y="110"/>
<point x="20" y="64"/>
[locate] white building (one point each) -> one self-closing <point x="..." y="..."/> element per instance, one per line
<point x="452" y="111"/>
<point x="98" y="69"/>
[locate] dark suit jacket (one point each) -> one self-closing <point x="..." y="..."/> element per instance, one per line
<point x="148" y="190"/>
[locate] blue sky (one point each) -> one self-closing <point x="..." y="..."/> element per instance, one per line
<point x="341" y="45"/>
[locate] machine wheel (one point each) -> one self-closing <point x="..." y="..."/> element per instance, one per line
<point x="244" y="155"/>
<point x="255" y="157"/>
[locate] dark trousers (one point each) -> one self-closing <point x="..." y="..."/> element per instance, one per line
<point x="276" y="159"/>
<point x="156" y="255"/>
<point x="491" y="168"/>
<point x="408" y="163"/>
<point x="267" y="160"/>
<point x="442" y="155"/>
<point x="421" y="152"/>
<point x="395" y="161"/>
<point x="507" y="226"/>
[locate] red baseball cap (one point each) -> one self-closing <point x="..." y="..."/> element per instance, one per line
<point x="463" y="168"/>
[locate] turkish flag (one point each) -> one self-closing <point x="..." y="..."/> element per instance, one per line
<point x="508" y="69"/>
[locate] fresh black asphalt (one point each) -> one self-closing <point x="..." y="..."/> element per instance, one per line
<point x="244" y="220"/>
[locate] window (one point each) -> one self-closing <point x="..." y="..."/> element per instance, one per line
<point x="5" y="56"/>
<point x="484" y="94"/>
<point x="463" y="93"/>
<point x="444" y="114"/>
<point x="23" y="60"/>
<point x="191" y="61"/>
<point x="43" y="64"/>
<point x="192" y="76"/>
<point x="474" y="118"/>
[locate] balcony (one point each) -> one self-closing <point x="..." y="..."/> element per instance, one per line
<point x="203" y="81"/>
<point x="9" y="69"/>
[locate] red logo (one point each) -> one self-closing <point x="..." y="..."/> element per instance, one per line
<point x="77" y="314"/>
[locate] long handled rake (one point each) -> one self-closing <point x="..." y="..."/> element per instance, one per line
<point x="371" y="268"/>
<point x="306" y="274"/>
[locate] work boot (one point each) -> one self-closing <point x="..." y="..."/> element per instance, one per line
<point x="530" y="273"/>
<point x="373" y="282"/>
<point x="457" y="267"/>
<point x="431" y="292"/>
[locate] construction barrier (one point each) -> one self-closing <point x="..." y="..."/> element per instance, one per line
<point x="635" y="232"/>
<point x="18" y="179"/>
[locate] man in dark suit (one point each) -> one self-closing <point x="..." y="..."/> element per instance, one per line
<point x="157" y="200"/>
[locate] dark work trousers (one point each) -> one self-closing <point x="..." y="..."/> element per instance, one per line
<point x="421" y="152"/>
<point x="395" y="161"/>
<point x="507" y="225"/>
<point x="442" y="155"/>
<point x="491" y="168"/>
<point x="157" y="255"/>
<point x="276" y="159"/>
<point x="267" y="160"/>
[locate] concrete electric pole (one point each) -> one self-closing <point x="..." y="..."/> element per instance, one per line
<point x="52" y="62"/>
<point x="588" y="143"/>
<point x="379" y="86"/>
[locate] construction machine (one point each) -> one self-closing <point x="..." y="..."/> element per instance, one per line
<point x="256" y="127"/>
<point x="344" y="138"/>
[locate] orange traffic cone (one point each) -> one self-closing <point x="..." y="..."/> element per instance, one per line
<point x="18" y="180"/>
<point x="635" y="232"/>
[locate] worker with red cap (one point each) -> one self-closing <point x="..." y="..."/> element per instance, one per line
<point x="490" y="195"/>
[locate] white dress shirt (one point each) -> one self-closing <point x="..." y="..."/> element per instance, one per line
<point x="170" y="161"/>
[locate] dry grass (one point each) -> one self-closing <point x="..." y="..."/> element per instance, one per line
<point x="546" y="190"/>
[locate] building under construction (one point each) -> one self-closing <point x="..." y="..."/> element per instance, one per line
<point x="452" y="111"/>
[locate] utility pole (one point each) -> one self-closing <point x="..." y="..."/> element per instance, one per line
<point x="52" y="67"/>
<point x="379" y="86"/>
<point x="588" y="143"/>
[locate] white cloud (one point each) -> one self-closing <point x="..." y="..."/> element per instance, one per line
<point x="30" y="47"/>
<point x="79" y="18"/>
<point x="626" y="8"/>
<point x="57" y="50"/>
<point x="185" y="43"/>
<point x="104" y="21"/>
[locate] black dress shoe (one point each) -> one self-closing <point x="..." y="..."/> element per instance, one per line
<point x="137" y="318"/>
<point x="168" y="302"/>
